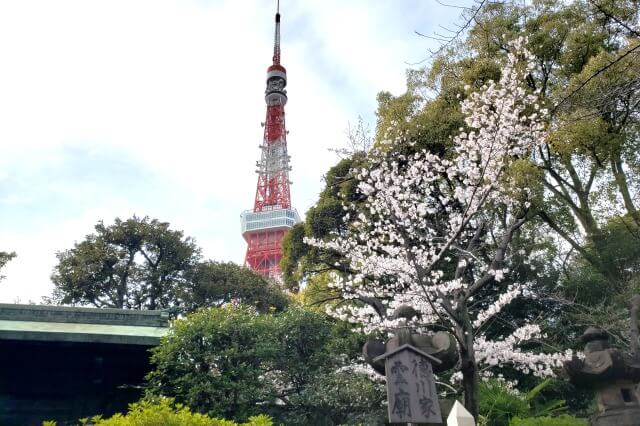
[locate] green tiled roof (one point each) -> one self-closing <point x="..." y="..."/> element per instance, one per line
<point x="71" y="324"/>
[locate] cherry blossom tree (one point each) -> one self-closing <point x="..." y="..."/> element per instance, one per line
<point x="436" y="232"/>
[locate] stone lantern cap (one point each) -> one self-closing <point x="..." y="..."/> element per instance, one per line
<point x="595" y="339"/>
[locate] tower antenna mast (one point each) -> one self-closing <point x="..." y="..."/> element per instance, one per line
<point x="276" y="40"/>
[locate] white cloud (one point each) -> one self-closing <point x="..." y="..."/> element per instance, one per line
<point x="174" y="90"/>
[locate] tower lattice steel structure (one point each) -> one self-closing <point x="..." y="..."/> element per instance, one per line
<point x="272" y="216"/>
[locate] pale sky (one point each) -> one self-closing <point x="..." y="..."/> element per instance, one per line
<point x="120" y="107"/>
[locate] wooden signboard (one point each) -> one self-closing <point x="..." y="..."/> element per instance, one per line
<point x="411" y="387"/>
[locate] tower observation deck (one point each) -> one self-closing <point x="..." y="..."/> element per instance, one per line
<point x="272" y="216"/>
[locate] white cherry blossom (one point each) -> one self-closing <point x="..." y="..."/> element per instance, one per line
<point x="417" y="240"/>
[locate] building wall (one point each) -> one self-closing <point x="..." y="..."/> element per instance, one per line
<point x="65" y="381"/>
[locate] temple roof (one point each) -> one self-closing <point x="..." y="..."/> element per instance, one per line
<point x="91" y="325"/>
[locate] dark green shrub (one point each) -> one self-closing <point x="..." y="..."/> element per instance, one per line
<point x="564" y="420"/>
<point x="165" y="412"/>
<point x="234" y="363"/>
<point x="499" y="404"/>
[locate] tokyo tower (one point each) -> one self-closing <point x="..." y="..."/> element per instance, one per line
<point x="272" y="216"/>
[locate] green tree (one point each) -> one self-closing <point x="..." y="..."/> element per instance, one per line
<point x="586" y="175"/>
<point x="589" y="56"/>
<point x="213" y="362"/>
<point x="584" y="182"/>
<point x="300" y="261"/>
<point x="589" y="61"/>
<point x="138" y="263"/>
<point x="232" y="362"/>
<point x="216" y="283"/>
<point x="4" y="259"/>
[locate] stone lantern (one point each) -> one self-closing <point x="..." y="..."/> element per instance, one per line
<point x="613" y="375"/>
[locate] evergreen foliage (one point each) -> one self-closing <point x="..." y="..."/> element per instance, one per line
<point x="141" y="263"/>
<point x="4" y="259"/>
<point x="215" y="283"/>
<point x="499" y="404"/>
<point x="563" y="420"/>
<point x="233" y="362"/>
<point x="164" y="412"/>
<point x="578" y="249"/>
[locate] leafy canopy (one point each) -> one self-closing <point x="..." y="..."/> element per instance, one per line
<point x="142" y="263"/>
<point x="233" y="362"/>
<point x="216" y="283"/>
<point x="4" y="259"/>
<point x="138" y="263"/>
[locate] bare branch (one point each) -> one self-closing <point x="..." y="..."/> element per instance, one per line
<point x="469" y="15"/>
<point x="593" y="76"/>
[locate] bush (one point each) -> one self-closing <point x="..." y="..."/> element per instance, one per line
<point x="213" y="362"/>
<point x="499" y="404"/>
<point x="564" y="420"/>
<point x="163" y="411"/>
<point x="233" y="363"/>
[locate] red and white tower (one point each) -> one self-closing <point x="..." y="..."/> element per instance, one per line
<point x="272" y="216"/>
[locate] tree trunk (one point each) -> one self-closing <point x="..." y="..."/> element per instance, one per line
<point x="621" y="181"/>
<point x="633" y="327"/>
<point x="122" y="289"/>
<point x="123" y="284"/>
<point x="583" y="211"/>
<point x="468" y="366"/>
<point x="470" y="384"/>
